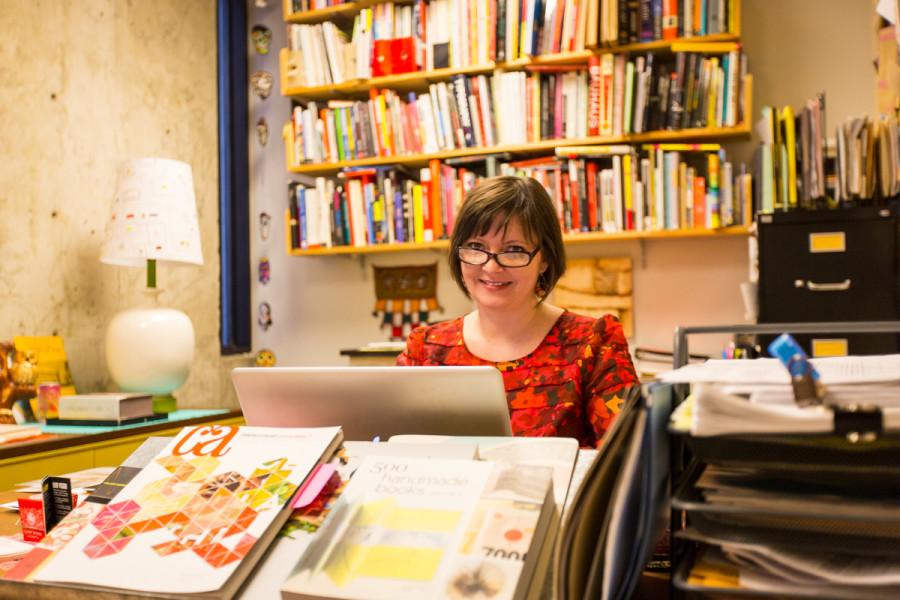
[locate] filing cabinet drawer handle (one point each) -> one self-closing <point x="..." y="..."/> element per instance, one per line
<point x="823" y="287"/>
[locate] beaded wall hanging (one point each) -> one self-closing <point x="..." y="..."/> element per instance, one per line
<point x="404" y="296"/>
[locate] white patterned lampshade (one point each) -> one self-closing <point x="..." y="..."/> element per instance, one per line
<point x="154" y="218"/>
<point x="154" y="215"/>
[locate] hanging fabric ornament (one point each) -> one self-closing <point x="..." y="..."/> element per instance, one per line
<point x="265" y="270"/>
<point x="262" y="37"/>
<point x="265" y="224"/>
<point x="405" y="296"/>
<point x="262" y="131"/>
<point x="261" y="83"/>
<point x="264" y="316"/>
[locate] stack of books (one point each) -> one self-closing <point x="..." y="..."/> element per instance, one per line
<point x="106" y="408"/>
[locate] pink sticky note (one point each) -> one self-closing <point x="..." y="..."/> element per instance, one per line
<point x="313" y="486"/>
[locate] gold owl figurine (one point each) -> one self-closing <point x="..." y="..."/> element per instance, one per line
<point x="7" y="351"/>
<point x="17" y="375"/>
<point x="24" y="369"/>
<point x="265" y="358"/>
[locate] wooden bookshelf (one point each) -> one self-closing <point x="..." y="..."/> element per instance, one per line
<point x="416" y="80"/>
<point x="740" y="131"/>
<point x="419" y="160"/>
<point x="345" y="10"/>
<point x="419" y="80"/>
<point x="592" y="237"/>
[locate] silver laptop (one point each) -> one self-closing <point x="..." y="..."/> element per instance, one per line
<point x="376" y="401"/>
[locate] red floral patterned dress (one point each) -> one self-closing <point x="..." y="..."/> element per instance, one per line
<point x="572" y="385"/>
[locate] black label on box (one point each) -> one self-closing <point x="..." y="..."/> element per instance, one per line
<point x="57" y="496"/>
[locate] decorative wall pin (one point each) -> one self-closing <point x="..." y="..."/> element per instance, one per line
<point x="265" y="225"/>
<point x="264" y="270"/>
<point x="262" y="131"/>
<point x="261" y="36"/>
<point x="265" y="358"/>
<point x="265" y="316"/>
<point x="261" y="82"/>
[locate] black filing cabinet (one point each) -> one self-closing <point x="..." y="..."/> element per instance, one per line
<point x="835" y="265"/>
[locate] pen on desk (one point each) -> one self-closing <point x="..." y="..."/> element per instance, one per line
<point x="808" y="388"/>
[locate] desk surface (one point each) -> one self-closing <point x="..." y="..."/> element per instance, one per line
<point x="66" y="436"/>
<point x="9" y="519"/>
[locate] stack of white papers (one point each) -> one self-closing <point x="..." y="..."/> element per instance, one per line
<point x="755" y="396"/>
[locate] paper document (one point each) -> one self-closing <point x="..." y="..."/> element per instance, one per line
<point x="767" y="371"/>
<point x="710" y="411"/>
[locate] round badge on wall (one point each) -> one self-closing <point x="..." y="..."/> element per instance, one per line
<point x="264" y="317"/>
<point x="264" y="270"/>
<point x="265" y="220"/>
<point x="262" y="37"/>
<point x="261" y="82"/>
<point x="265" y="358"/>
<point x="262" y="131"/>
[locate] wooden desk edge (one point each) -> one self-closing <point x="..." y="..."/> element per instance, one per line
<point x="66" y="441"/>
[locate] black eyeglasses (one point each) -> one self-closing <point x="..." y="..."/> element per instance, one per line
<point x="514" y="259"/>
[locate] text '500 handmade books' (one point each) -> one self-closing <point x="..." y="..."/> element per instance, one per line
<point x="197" y="517"/>
<point x="418" y="529"/>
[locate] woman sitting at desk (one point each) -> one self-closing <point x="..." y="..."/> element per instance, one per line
<point x="565" y="374"/>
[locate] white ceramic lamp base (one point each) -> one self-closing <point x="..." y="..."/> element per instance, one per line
<point x="150" y="350"/>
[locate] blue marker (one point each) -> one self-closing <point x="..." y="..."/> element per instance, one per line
<point x="808" y="388"/>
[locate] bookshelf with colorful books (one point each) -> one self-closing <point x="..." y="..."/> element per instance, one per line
<point x="384" y="115"/>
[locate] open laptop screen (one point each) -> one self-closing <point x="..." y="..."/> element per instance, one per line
<point x="376" y="401"/>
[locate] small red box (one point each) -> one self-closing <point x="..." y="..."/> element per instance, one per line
<point x="403" y="55"/>
<point x="392" y="57"/>
<point x="31" y="517"/>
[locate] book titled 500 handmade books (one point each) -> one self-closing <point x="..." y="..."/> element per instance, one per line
<point x="195" y="519"/>
<point x="416" y="528"/>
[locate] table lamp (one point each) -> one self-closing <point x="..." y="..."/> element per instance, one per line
<point x="153" y="218"/>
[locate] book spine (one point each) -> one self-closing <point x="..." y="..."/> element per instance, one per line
<point x="301" y="216"/>
<point x="713" y="220"/>
<point x="657" y="19"/>
<point x="606" y="98"/>
<point x="500" y="31"/>
<point x="76" y="408"/>
<point x="622" y="14"/>
<point x="676" y="93"/>
<point x="669" y="19"/>
<point x="580" y="192"/>
<point x="472" y="96"/>
<point x="418" y="215"/>
<point x="294" y="212"/>
<point x="618" y="200"/>
<point x="462" y="106"/>
<point x="595" y="86"/>
<point x="627" y="192"/>
<point x="591" y="177"/>
<point x="645" y="20"/>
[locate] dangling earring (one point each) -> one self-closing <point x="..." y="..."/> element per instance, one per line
<point x="540" y="289"/>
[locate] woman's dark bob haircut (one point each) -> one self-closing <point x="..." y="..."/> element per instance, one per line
<point x="494" y="203"/>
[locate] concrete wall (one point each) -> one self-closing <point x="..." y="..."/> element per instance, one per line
<point x="87" y="83"/>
